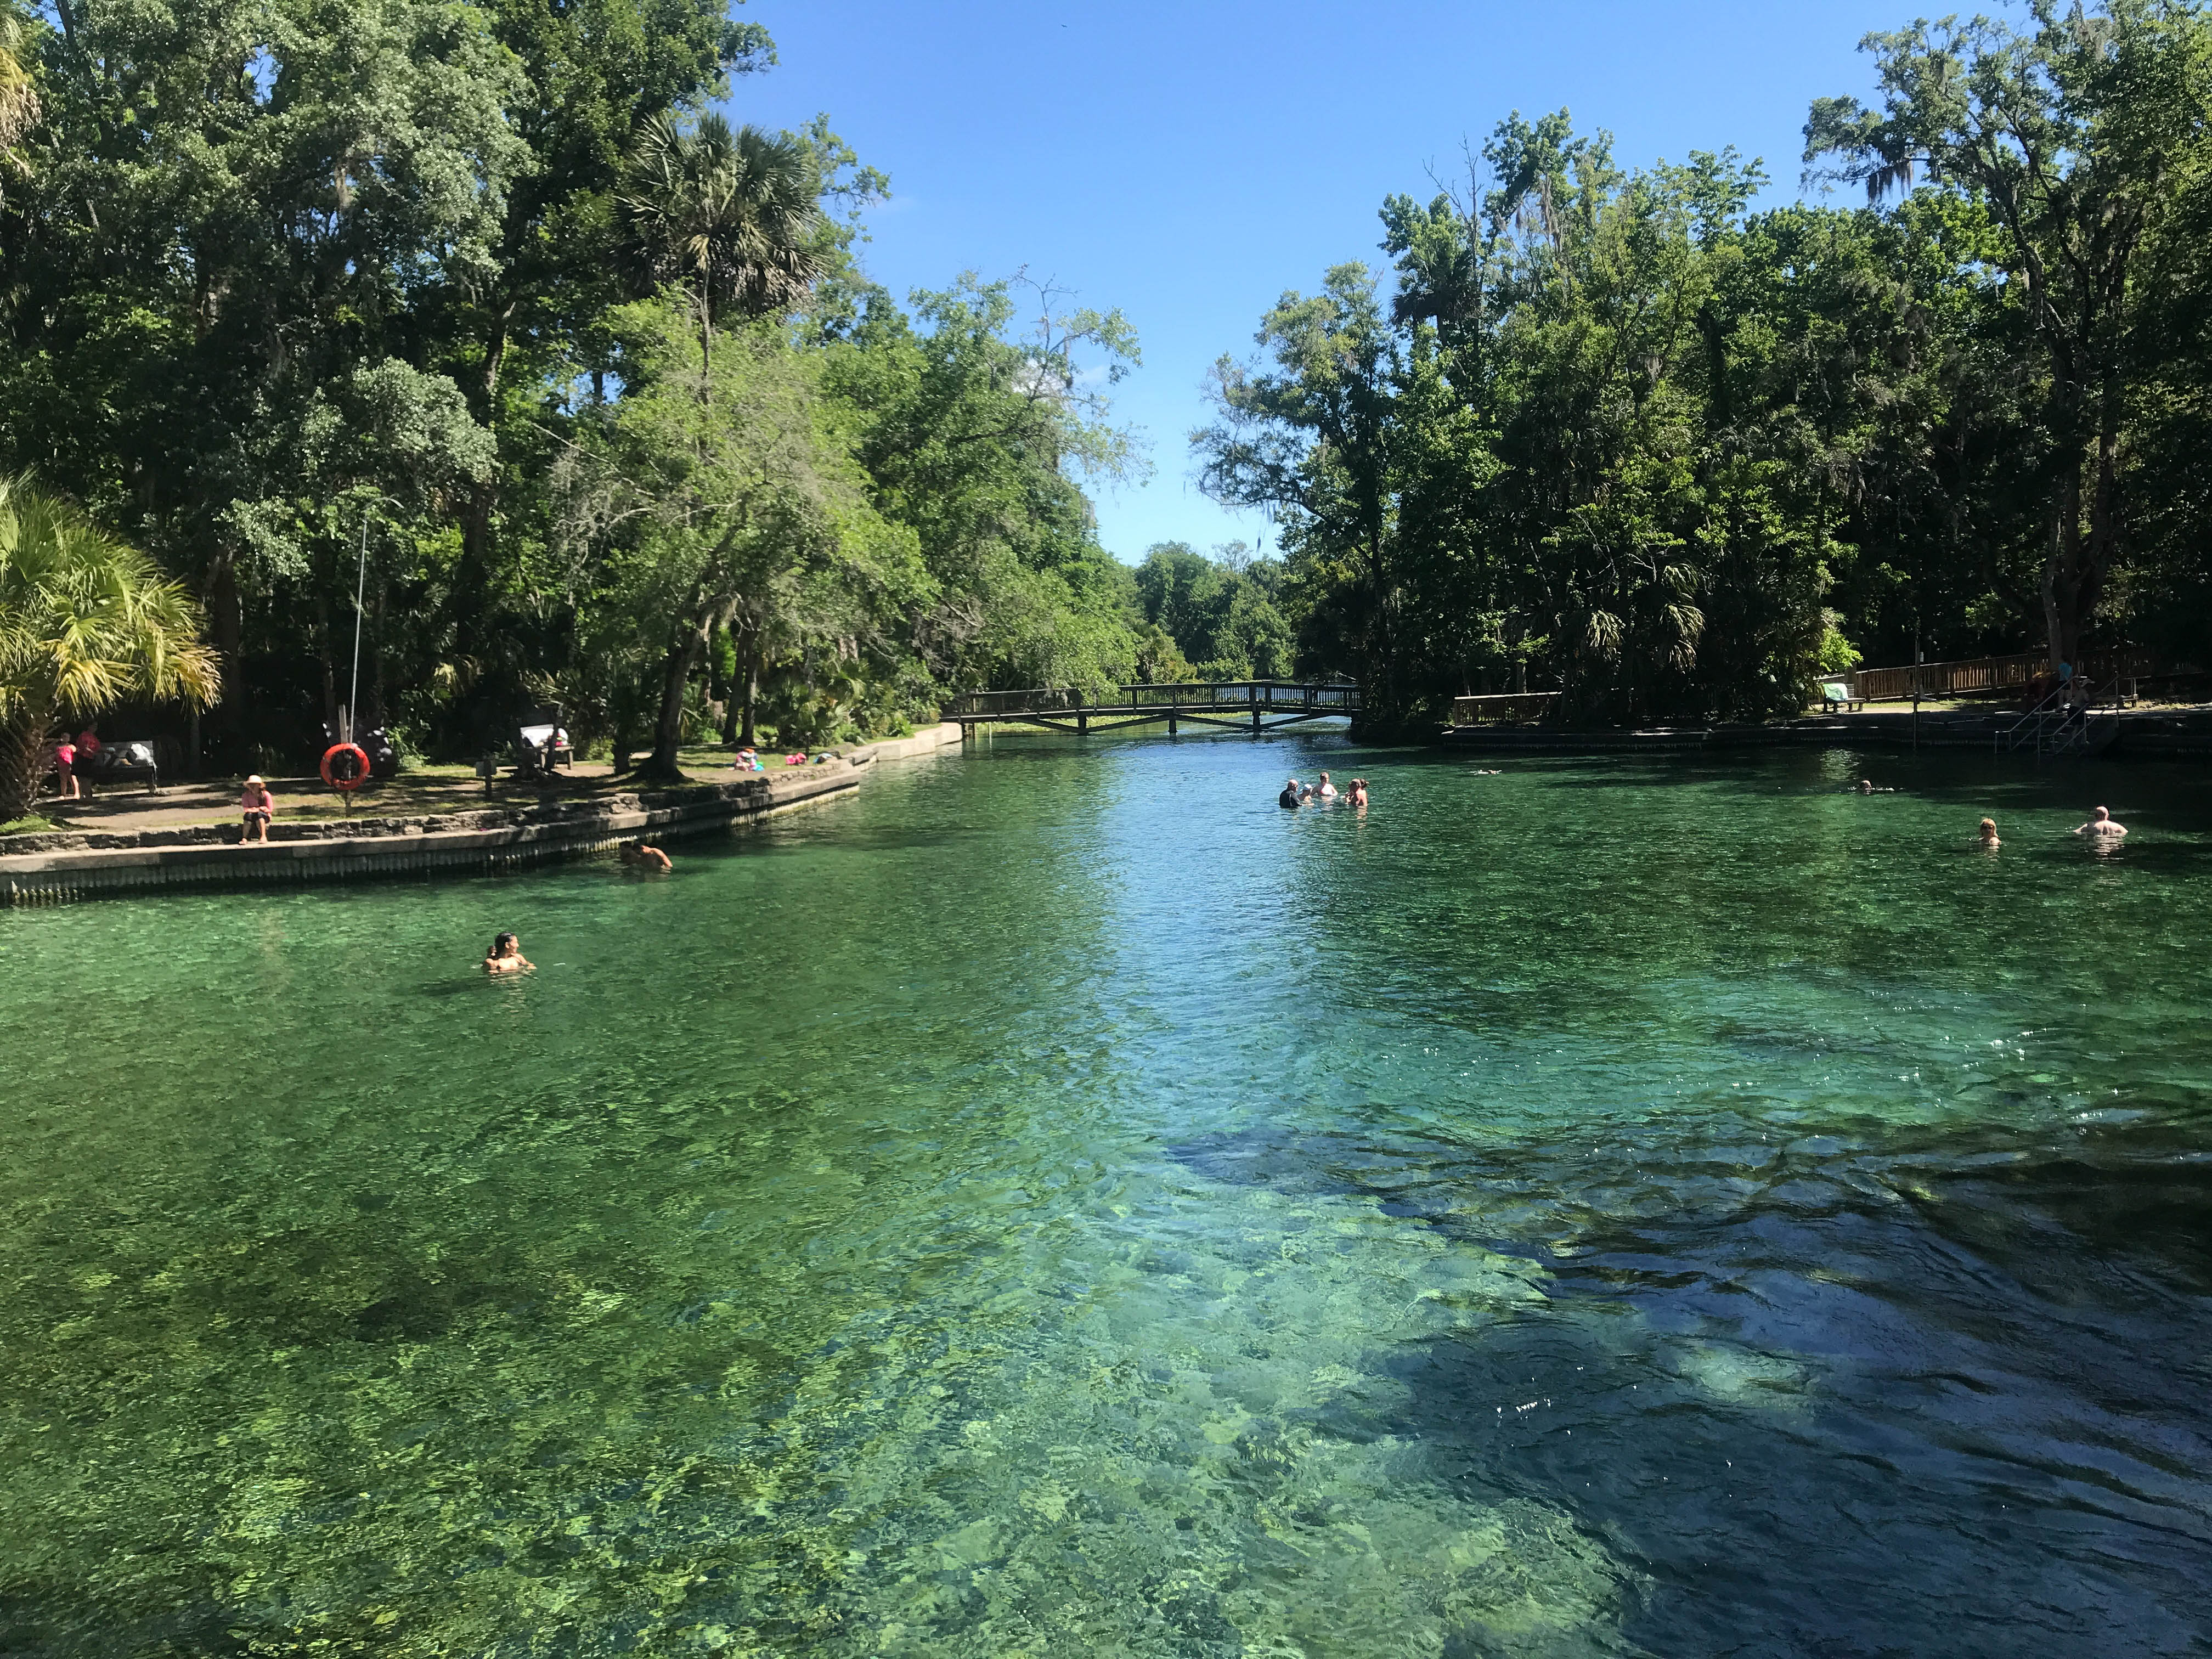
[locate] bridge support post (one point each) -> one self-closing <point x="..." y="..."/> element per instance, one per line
<point x="1082" y="723"/>
<point x="1255" y="719"/>
<point x="1171" y="722"/>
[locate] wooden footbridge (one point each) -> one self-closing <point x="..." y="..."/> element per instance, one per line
<point x="1255" y="705"/>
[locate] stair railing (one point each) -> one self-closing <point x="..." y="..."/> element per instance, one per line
<point x="2060" y="722"/>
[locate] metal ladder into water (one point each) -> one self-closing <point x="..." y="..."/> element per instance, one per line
<point x="2067" y="721"/>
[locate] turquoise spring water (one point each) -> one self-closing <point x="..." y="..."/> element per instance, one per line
<point x="1058" y="1203"/>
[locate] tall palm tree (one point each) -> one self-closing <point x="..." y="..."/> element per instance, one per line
<point x="733" y="214"/>
<point x="19" y="99"/>
<point x="84" y="621"/>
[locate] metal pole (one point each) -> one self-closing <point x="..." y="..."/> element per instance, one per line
<point x="1918" y="656"/>
<point x="360" y="588"/>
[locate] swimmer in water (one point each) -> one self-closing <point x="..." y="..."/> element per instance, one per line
<point x="506" y="956"/>
<point x="1989" y="833"/>
<point x="1290" y="797"/>
<point x="1325" y="790"/>
<point x="1866" y="788"/>
<point x="2101" y="826"/>
<point x="1360" y="793"/>
<point x="645" y="857"/>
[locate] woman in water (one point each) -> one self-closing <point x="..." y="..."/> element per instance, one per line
<point x="1989" y="833"/>
<point x="1360" y="793"/>
<point x="506" y="956"/>
<point x="1324" y="790"/>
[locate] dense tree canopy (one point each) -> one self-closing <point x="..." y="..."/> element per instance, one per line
<point x="272" y="272"/>
<point x="279" y="277"/>
<point x="1613" y="434"/>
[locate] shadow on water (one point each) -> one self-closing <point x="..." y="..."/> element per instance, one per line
<point x="1979" y="1425"/>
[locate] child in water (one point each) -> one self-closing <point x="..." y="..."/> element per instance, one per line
<point x="506" y="956"/>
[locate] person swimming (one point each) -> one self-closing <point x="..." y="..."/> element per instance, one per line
<point x="506" y="956"/>
<point x="1867" y="787"/>
<point x="2101" y="826"/>
<point x="1324" y="790"/>
<point x="1989" y="835"/>
<point x="645" y="856"/>
<point x="1290" y="796"/>
<point x="1360" y="793"/>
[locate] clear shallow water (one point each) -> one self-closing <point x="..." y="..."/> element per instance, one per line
<point x="1058" y="1202"/>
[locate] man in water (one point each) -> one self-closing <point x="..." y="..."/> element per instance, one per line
<point x="1290" y="796"/>
<point x="2101" y="826"/>
<point x="644" y="856"/>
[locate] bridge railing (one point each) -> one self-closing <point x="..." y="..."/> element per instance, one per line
<point x="1038" y="700"/>
<point x="1196" y="694"/>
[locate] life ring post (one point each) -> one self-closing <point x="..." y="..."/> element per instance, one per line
<point x="345" y="768"/>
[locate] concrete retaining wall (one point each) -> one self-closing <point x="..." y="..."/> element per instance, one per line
<point x="481" y="844"/>
<point x="2139" y="733"/>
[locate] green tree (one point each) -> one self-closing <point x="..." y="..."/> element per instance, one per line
<point x="231" y="213"/>
<point x="1220" y="612"/>
<point x="593" y="74"/>
<point x="726" y="495"/>
<point x="2069" y="131"/>
<point x="731" y="215"/>
<point x="84" y="621"/>
<point x="977" y="436"/>
<point x="1313" y="433"/>
<point x="19" y="99"/>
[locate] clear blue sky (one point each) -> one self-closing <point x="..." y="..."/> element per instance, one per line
<point x="1188" y="163"/>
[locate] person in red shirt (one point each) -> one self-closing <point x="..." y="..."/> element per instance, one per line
<point x="258" y="806"/>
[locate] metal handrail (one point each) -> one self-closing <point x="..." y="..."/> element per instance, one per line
<point x="1503" y="706"/>
<point x="2074" y="705"/>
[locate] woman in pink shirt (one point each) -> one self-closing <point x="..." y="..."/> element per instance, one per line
<point x="258" y="806"/>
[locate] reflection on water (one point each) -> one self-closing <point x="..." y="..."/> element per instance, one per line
<point x="1058" y="1202"/>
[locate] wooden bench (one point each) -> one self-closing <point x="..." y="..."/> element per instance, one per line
<point x="1837" y="694"/>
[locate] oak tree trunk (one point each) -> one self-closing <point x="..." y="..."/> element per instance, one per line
<point x="675" y="679"/>
<point x="752" y="667"/>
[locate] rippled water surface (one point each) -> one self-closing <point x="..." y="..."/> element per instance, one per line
<point x="1059" y="1203"/>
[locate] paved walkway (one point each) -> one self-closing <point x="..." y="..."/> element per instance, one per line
<point x="419" y="790"/>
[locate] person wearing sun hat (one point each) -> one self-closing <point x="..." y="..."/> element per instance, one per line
<point x="258" y="806"/>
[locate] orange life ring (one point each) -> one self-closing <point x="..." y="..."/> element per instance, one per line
<point x="359" y="771"/>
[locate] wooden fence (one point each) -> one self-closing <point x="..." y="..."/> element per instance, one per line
<point x="1984" y="674"/>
